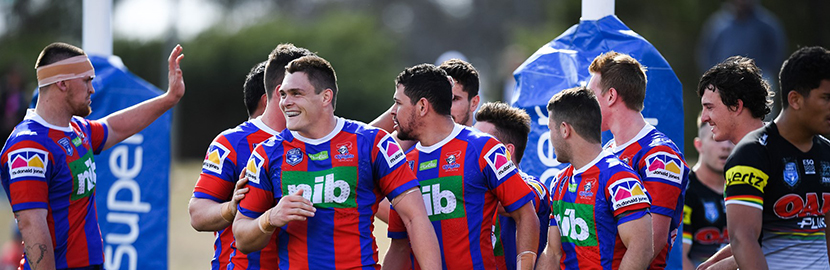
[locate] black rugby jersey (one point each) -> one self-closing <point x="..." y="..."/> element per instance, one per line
<point x="704" y="220"/>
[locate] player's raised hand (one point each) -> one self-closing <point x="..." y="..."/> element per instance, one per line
<point x="290" y="208"/>
<point x="175" y="78"/>
<point x="239" y="190"/>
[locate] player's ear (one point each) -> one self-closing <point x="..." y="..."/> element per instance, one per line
<point x="422" y="106"/>
<point x="698" y="144"/>
<point x="474" y="102"/>
<point x="328" y="96"/>
<point x="795" y="100"/>
<point x="611" y="96"/>
<point x="565" y="130"/>
<point x="510" y="148"/>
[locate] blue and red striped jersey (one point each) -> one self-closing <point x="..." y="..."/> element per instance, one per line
<point x="226" y="156"/>
<point x="663" y="171"/>
<point x="504" y="231"/>
<point x="462" y="178"/>
<point x="588" y="205"/>
<point x="345" y="174"/>
<point x="52" y="167"/>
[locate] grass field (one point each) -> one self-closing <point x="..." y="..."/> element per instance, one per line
<point x="188" y="249"/>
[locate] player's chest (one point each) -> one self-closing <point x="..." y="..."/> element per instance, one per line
<point x="330" y="174"/>
<point x="74" y="170"/>
<point x="799" y="186"/>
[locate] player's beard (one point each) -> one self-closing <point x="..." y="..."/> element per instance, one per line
<point x="406" y="132"/>
<point x="82" y="109"/>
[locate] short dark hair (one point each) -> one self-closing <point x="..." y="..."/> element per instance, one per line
<point x="320" y="74"/>
<point x="275" y="67"/>
<point x="463" y="73"/>
<point x="804" y="71"/>
<point x="623" y="73"/>
<point x="738" y="78"/>
<point x="430" y="82"/>
<point x="578" y="107"/>
<point x="512" y="124"/>
<point x="56" y="52"/>
<point x="254" y="87"/>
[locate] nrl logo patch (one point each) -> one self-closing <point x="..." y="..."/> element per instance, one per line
<point x="710" y="210"/>
<point x="64" y="142"/>
<point x="294" y="156"/>
<point x="791" y="174"/>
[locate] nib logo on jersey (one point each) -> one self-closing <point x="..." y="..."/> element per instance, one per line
<point x="626" y="192"/>
<point x="452" y="161"/>
<point x="215" y="157"/>
<point x="499" y="160"/>
<point x="252" y="169"/>
<point x="390" y="151"/>
<point x="331" y="188"/>
<point x="28" y="162"/>
<point x="442" y="197"/>
<point x="343" y="151"/>
<point x="666" y="166"/>
<point x="576" y="223"/>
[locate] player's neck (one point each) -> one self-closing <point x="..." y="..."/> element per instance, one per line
<point x="322" y="127"/>
<point x="710" y="178"/>
<point x="792" y="130"/>
<point x="626" y="125"/>
<point x="273" y="118"/>
<point x="53" y="111"/>
<point x="583" y="153"/>
<point x="435" y="130"/>
<point x="745" y="127"/>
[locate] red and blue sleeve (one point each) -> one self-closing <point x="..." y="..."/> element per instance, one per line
<point x="663" y="171"/>
<point x="503" y="177"/>
<point x="629" y="200"/>
<point x="98" y="133"/>
<point x="396" y="229"/>
<point x="28" y="165"/>
<point x="260" y="196"/>
<point x="218" y="177"/>
<point x="389" y="164"/>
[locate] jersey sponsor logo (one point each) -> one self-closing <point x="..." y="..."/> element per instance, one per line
<point x="711" y="236"/>
<point x="64" y="142"/>
<point x="710" y="211"/>
<point x="331" y="188"/>
<point x="746" y="175"/>
<point x="323" y="155"/>
<point x="625" y="192"/>
<point x="572" y="184"/>
<point x="665" y="166"/>
<point x="790" y="174"/>
<point x="391" y="151"/>
<point x="83" y="176"/>
<point x="452" y="161"/>
<point x="576" y="223"/>
<point x="253" y="167"/>
<point x="825" y="172"/>
<point x="76" y="141"/>
<point x="294" y="156"/>
<point x="343" y="151"/>
<point x="499" y="160"/>
<point x="215" y="157"/>
<point x="809" y="166"/>
<point x="427" y="165"/>
<point x="763" y="139"/>
<point x="443" y="198"/>
<point x="28" y="162"/>
<point x="687" y="215"/>
<point x="794" y="206"/>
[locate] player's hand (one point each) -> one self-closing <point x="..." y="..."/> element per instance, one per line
<point x="290" y="208"/>
<point x="174" y="75"/>
<point x="705" y="265"/>
<point x="239" y="190"/>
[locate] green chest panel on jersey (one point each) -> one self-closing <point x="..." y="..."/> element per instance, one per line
<point x="443" y="197"/>
<point x="83" y="176"/>
<point x="576" y="223"/>
<point x="331" y="188"/>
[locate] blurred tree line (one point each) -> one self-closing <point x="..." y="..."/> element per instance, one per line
<point x="369" y="41"/>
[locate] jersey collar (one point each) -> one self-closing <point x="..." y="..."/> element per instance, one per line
<point x="601" y="155"/>
<point x="337" y="128"/>
<point x="643" y="132"/>
<point x="262" y="126"/>
<point x="32" y="115"/>
<point x="428" y="149"/>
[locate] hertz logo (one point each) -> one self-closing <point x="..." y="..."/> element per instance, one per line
<point x="746" y="175"/>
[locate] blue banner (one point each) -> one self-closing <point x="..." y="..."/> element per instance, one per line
<point x="133" y="176"/>
<point x="563" y="63"/>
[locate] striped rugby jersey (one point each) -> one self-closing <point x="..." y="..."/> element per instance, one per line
<point x="226" y="156"/>
<point x="344" y="174"/>
<point x="462" y="177"/>
<point x="504" y="232"/>
<point x="588" y="206"/>
<point x="51" y="167"/>
<point x="664" y="172"/>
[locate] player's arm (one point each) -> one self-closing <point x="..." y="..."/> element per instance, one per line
<point x="383" y="211"/>
<point x="384" y="121"/>
<point x="744" y="223"/>
<point x="209" y="215"/>
<point x="397" y="256"/>
<point x="253" y="234"/>
<point x="660" y="233"/>
<point x="550" y="257"/>
<point x="688" y="230"/>
<point x="129" y="121"/>
<point x="636" y="236"/>
<point x="527" y="235"/>
<point x="410" y="206"/>
<point x="37" y="241"/>
<point x="687" y="263"/>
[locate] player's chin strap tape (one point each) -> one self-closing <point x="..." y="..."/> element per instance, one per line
<point x="530" y="256"/>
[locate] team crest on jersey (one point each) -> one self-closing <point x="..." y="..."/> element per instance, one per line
<point x="28" y="162"/>
<point x="294" y="156"/>
<point x="825" y="172"/>
<point x="790" y="174"/>
<point x="253" y="167"/>
<point x="64" y="142"/>
<point x="215" y="157"/>
<point x="411" y="164"/>
<point x="391" y="151"/>
<point x="665" y="166"/>
<point x="343" y="151"/>
<point x="586" y="189"/>
<point x="710" y="210"/>
<point x="452" y="161"/>
<point x="499" y="160"/>
<point x="627" y="192"/>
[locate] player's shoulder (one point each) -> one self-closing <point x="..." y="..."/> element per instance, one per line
<point x="29" y="134"/>
<point x="656" y="141"/>
<point x="363" y="130"/>
<point x="534" y="183"/>
<point x="610" y="166"/>
<point x="755" y="143"/>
